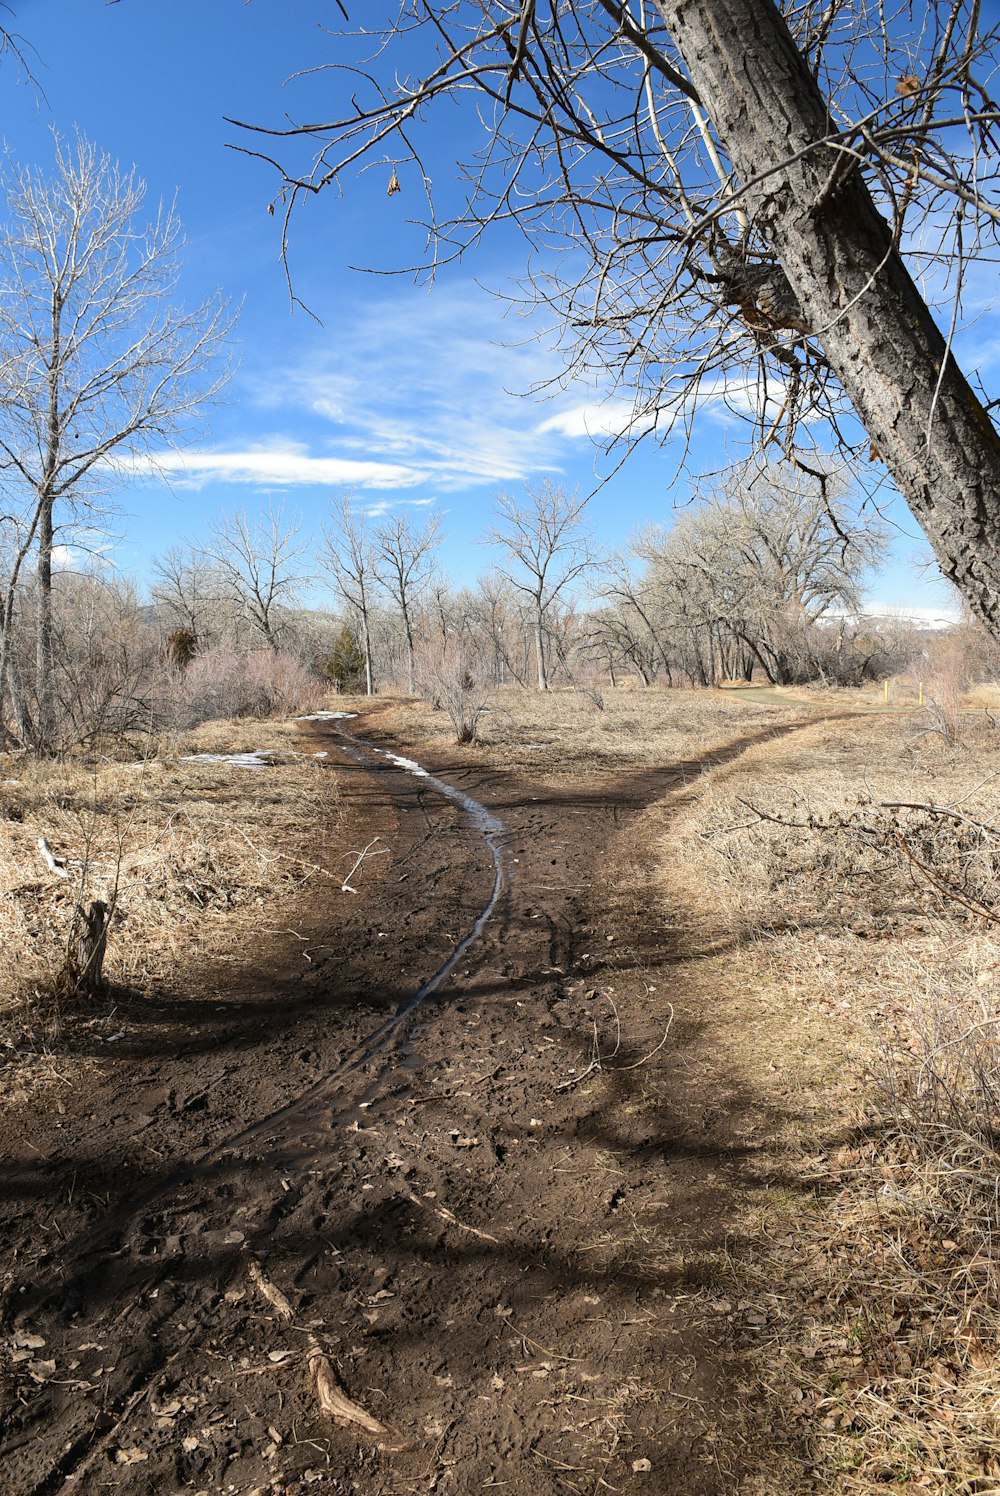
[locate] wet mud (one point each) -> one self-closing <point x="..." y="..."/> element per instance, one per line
<point x="439" y="1118"/>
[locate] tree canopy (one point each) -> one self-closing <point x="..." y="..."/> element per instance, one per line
<point x="778" y="206"/>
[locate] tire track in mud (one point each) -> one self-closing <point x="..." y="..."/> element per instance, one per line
<point x="497" y="1019"/>
<point x="308" y="1118"/>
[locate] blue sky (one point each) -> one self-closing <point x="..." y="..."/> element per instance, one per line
<point x="400" y="393"/>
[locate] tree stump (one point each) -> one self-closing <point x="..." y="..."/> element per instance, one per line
<point x="88" y="939"/>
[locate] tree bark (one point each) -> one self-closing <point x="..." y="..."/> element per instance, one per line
<point x="44" y="713"/>
<point x="539" y="633"/>
<point x="369" y="665"/>
<point x="854" y="291"/>
<point x="83" y="972"/>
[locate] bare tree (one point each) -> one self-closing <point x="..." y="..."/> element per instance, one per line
<point x="258" y="563"/>
<point x="349" y="558"/>
<point x="405" y="556"/>
<point x="742" y="184"/>
<point x="98" y="365"/>
<point x="547" y="548"/>
<point x="496" y="618"/>
<point x="746" y="575"/>
<point x="188" y="593"/>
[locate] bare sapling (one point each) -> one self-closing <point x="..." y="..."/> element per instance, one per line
<point x="83" y="973"/>
<point x="451" y="675"/>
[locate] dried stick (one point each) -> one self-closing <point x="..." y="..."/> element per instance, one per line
<point x="345" y="887"/>
<point x="54" y="864"/>
<point x="446" y="1215"/>
<point x="649" y="1056"/>
<point x="333" y="1400"/>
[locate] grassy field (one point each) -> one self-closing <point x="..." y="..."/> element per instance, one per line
<point x="188" y="852"/>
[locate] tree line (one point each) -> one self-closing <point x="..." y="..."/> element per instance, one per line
<point x="758" y="579"/>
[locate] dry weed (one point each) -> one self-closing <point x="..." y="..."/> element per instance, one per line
<point x="555" y="734"/>
<point x="855" y="882"/>
<point x="176" y="846"/>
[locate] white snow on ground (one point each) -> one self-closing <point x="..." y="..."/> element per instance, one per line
<point x="405" y="763"/>
<point x="253" y="760"/>
<point x="326" y="717"/>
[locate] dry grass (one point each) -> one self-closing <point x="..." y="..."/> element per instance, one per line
<point x="869" y="992"/>
<point x="185" y="851"/>
<point x="562" y="733"/>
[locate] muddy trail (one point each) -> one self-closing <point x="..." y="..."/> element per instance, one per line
<point x="437" y="1145"/>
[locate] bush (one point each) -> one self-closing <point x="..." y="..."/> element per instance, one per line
<point x="452" y="678"/>
<point x="347" y="662"/>
<point x="223" y="683"/>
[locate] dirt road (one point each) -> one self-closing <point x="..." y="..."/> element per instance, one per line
<point x="502" y="1219"/>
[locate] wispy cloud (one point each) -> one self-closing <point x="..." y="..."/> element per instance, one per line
<point x="417" y="391"/>
<point x="599" y="420"/>
<point x="278" y="467"/>
<point x="440" y="383"/>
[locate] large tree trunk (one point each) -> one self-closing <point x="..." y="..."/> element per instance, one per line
<point x="539" y="640"/>
<point x="852" y="286"/>
<point x="44" y="655"/>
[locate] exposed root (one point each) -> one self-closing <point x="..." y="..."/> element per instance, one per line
<point x="333" y="1400"/>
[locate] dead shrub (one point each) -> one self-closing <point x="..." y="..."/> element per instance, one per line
<point x="451" y="677"/>
<point x="226" y="683"/>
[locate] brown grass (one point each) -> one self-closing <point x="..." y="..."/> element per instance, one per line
<point x="185" y="851"/>
<point x="869" y="995"/>
<point x="562" y="733"/>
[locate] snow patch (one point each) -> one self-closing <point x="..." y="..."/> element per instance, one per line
<point x="406" y="763"/>
<point x="255" y="760"/>
<point x="327" y="717"/>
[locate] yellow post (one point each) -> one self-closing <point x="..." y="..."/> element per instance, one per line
<point x="886" y="686"/>
<point x="920" y="695"/>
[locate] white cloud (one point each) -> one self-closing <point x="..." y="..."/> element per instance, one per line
<point x="599" y="420"/>
<point x="280" y="466"/>
<point x="417" y="391"/>
<point x="435" y="383"/>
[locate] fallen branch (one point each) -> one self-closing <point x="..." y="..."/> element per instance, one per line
<point x="649" y="1056"/>
<point x="596" y="1063"/>
<point x="946" y="890"/>
<point x="337" y="1405"/>
<point x="269" y="857"/>
<point x="54" y="864"/>
<point x="332" y="1398"/>
<point x="270" y="1291"/>
<point x="452" y="1220"/>
<point x="345" y="887"/>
